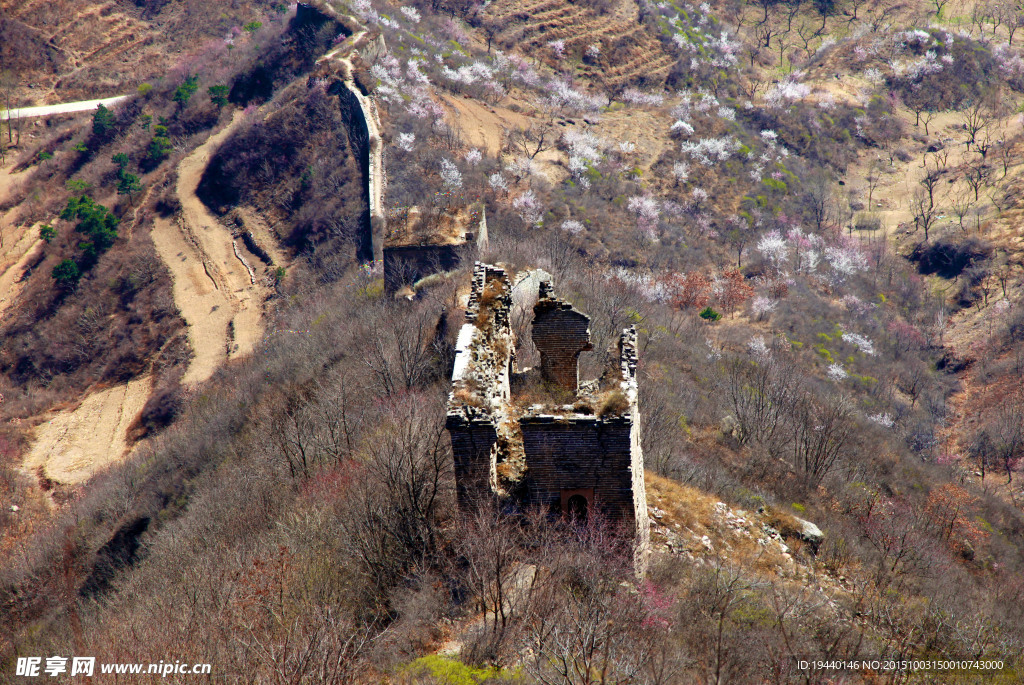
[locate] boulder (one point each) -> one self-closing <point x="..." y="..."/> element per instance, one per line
<point x="810" y="534"/>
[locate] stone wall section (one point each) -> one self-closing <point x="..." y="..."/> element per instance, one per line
<point x="560" y="333"/>
<point x="578" y="452"/>
<point x="628" y="359"/>
<point x="552" y="451"/>
<point x="478" y="403"/>
<point x="407" y="264"/>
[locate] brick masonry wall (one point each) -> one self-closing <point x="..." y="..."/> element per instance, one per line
<point x="560" y="334"/>
<point x="407" y="264"/>
<point x="581" y="453"/>
<point x="472" y="449"/>
<point x="578" y="453"/>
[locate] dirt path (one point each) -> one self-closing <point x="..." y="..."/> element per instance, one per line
<point x="212" y="286"/>
<point x="264" y="235"/>
<point x="215" y="294"/>
<point x="75" y="444"/>
<point x="216" y="290"/>
<point x="63" y="108"/>
<point x="18" y="246"/>
<point x="18" y="252"/>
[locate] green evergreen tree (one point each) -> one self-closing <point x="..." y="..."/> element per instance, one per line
<point x="103" y="123"/>
<point x="218" y="95"/>
<point x="129" y="184"/>
<point x="121" y="160"/>
<point x="98" y="224"/>
<point x="160" y="147"/>
<point x="67" y="274"/>
<point x="185" y="91"/>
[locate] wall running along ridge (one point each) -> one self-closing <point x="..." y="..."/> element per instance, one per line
<point x="353" y="99"/>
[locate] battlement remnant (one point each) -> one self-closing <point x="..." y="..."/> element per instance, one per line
<point x="560" y="333"/>
<point x="574" y="460"/>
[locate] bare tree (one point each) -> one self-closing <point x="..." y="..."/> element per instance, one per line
<point x="975" y="175"/>
<point x="923" y="208"/>
<point x="8" y="84"/>
<point x="976" y="118"/>
<point x="534" y="139"/>
<point x="885" y="14"/>
<point x="874" y="177"/>
<point x="821" y="200"/>
<point x="1013" y="18"/>
<point x="1006" y="153"/>
<point x="738" y="237"/>
<point x="393" y="518"/>
<point x="851" y="8"/>
<point x="760" y="397"/>
<point x="961" y="205"/>
<point x="1008" y="430"/>
<point x="584" y="626"/>
<point x="402" y="350"/>
<point x="930" y="182"/>
<point x="821" y="430"/>
<point x="490" y="543"/>
<point x="321" y="428"/>
<point x="720" y="595"/>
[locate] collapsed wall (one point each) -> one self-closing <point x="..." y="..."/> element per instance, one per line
<point x="574" y="460"/>
<point x="477" y="405"/>
<point x="420" y="243"/>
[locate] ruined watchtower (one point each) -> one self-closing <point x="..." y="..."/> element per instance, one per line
<point x="574" y="451"/>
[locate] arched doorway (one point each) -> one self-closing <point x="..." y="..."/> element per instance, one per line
<point x="576" y="503"/>
<point x="577" y="508"/>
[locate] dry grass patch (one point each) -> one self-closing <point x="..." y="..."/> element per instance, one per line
<point x="613" y="403"/>
<point x="682" y="504"/>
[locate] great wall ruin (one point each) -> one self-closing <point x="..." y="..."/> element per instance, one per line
<point x="539" y="437"/>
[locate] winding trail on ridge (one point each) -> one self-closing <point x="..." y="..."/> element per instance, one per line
<point x="217" y="297"/>
<point x="213" y="288"/>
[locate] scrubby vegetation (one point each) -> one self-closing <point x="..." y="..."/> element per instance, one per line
<point x="809" y="211"/>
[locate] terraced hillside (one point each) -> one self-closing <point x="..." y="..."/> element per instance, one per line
<point x="612" y="49"/>
<point x="59" y="50"/>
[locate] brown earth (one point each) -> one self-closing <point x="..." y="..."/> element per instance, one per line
<point x="75" y="444"/>
<point x="216" y="295"/>
<point x="213" y="288"/>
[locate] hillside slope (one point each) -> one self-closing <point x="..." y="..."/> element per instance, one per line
<point x="808" y="212"/>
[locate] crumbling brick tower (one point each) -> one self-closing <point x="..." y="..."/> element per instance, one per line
<point x="572" y="458"/>
<point x="560" y="333"/>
